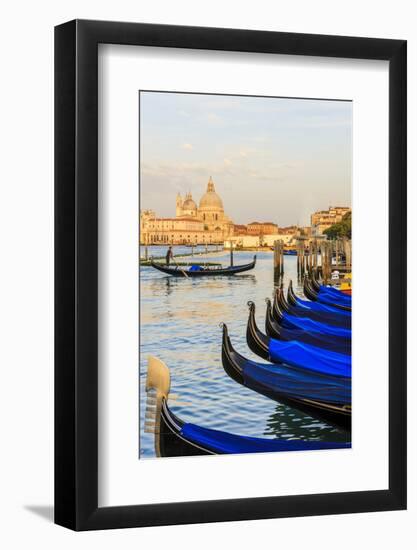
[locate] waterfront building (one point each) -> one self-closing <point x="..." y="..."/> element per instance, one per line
<point x="262" y="228"/>
<point x="239" y="229"/>
<point x="323" y="219"/>
<point x="206" y="223"/>
<point x="289" y="230"/>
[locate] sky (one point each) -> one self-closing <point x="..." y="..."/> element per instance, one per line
<point x="271" y="159"/>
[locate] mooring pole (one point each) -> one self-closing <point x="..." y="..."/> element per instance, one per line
<point x="298" y="258"/>
<point x="231" y="254"/>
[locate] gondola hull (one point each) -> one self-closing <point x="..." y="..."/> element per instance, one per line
<point x="325" y="298"/>
<point x="237" y="367"/>
<point x="178" y="271"/>
<point x="276" y="331"/>
<point x="175" y="438"/>
<point x="171" y="442"/>
<point x="322" y="316"/>
<point x="295" y="354"/>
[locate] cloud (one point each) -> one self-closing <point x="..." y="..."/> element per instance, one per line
<point x="187" y="146"/>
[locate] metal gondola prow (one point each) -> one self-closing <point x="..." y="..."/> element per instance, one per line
<point x="257" y="342"/>
<point x="308" y="291"/>
<point x="276" y="310"/>
<point x="272" y="328"/>
<point x="230" y="358"/>
<point x="291" y="298"/>
<point x="158" y="385"/>
<point x="283" y="304"/>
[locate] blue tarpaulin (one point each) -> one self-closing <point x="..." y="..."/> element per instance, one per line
<point x="311" y="357"/>
<point x="303" y="323"/>
<point x="297" y="383"/>
<point x="326" y="341"/>
<point x="316" y="306"/>
<point x="321" y="316"/>
<point x="333" y="295"/>
<point x="223" y="442"/>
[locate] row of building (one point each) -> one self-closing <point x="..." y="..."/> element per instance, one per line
<point x="208" y="223"/>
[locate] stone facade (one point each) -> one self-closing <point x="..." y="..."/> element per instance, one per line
<point x="262" y="228"/>
<point x="323" y="219"/>
<point x="204" y="224"/>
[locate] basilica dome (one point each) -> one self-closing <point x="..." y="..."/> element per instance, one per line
<point x="189" y="204"/>
<point x="211" y="200"/>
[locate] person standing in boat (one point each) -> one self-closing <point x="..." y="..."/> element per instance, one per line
<point x="169" y="256"/>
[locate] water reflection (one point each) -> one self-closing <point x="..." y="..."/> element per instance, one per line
<point x="180" y="324"/>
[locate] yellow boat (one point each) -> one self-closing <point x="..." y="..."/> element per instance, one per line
<point x="346" y="284"/>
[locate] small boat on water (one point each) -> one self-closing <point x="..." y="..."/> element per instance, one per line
<point x="310" y="325"/>
<point x="278" y="332"/>
<point x="325" y="397"/>
<point x="196" y="271"/>
<point x="296" y="354"/>
<point x="344" y="285"/>
<point x="305" y="310"/>
<point x="294" y="300"/>
<point x="327" y="296"/>
<point x="174" y="437"/>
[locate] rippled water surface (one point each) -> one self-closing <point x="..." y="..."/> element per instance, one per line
<point x="180" y="324"/>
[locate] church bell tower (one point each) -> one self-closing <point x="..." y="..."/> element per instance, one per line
<point x="178" y="210"/>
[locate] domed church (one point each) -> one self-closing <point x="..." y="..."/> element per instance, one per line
<point x="210" y="210"/>
<point x="203" y="224"/>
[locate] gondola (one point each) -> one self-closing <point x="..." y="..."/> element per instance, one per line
<point x="345" y="295"/>
<point x="305" y="310"/>
<point x="328" y="292"/>
<point x="326" y="298"/>
<point x="294" y="353"/>
<point x="197" y="271"/>
<point x="324" y="397"/>
<point x="304" y="323"/>
<point x="276" y="331"/>
<point x="294" y="300"/>
<point x="174" y="437"/>
<point x="334" y="294"/>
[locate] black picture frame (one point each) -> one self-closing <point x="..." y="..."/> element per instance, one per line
<point x="76" y="272"/>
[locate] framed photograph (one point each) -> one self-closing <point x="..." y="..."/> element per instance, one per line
<point x="230" y="252"/>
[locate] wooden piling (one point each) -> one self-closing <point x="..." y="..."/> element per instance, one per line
<point x="278" y="259"/>
<point x="348" y="252"/>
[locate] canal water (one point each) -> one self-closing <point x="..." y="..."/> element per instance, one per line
<point x="180" y="320"/>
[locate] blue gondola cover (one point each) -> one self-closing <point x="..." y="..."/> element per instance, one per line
<point x="329" y="294"/>
<point x="317" y="306"/>
<point x="303" y="323"/>
<point x="223" y="442"/>
<point x="310" y="357"/>
<point x="297" y="383"/>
